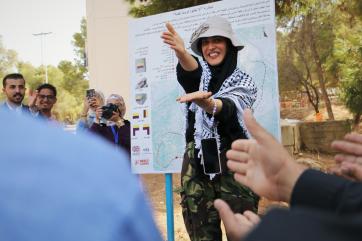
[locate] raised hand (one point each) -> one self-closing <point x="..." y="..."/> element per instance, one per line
<point x="262" y="163"/>
<point x="237" y="225"/>
<point x="33" y="96"/>
<point x="174" y="40"/>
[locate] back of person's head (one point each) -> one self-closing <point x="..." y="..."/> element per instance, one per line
<point x="12" y="76"/>
<point x="47" y="86"/>
<point x="67" y="187"/>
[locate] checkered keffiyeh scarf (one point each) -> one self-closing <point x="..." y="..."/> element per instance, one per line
<point x="238" y="87"/>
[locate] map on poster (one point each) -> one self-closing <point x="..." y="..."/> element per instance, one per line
<point x="158" y="121"/>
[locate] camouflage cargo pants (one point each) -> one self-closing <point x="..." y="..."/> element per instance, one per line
<point x="198" y="194"/>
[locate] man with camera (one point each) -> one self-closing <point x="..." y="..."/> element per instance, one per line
<point x="117" y="129"/>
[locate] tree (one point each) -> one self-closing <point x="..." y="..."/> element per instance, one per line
<point x="348" y="51"/>
<point x="79" y="42"/>
<point x="73" y="80"/>
<point x="295" y="72"/>
<point x="309" y="22"/>
<point x="8" y="59"/>
<point x="160" y="6"/>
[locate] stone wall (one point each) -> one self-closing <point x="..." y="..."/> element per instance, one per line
<point x="317" y="136"/>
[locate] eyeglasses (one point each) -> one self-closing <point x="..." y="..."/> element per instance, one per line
<point x="43" y="97"/>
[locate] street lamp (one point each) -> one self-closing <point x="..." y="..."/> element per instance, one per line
<point x="42" y="35"/>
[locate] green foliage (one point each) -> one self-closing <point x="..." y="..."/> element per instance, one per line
<point x="67" y="77"/>
<point x="348" y="53"/>
<point x="153" y="7"/>
<point x="8" y="59"/>
<point x="79" y="41"/>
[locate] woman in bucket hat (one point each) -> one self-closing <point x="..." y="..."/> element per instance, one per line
<point x="217" y="92"/>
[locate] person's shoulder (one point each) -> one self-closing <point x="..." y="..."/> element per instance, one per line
<point x="3" y="105"/>
<point x="127" y="122"/>
<point x="26" y="108"/>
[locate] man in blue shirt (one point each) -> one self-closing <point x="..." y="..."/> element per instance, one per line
<point x="14" y="90"/>
<point x="57" y="186"/>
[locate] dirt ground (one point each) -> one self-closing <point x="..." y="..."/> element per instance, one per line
<point x="154" y="184"/>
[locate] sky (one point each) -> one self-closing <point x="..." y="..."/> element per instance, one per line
<point x="20" y="19"/>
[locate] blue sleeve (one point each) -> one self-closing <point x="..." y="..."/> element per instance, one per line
<point x="139" y="224"/>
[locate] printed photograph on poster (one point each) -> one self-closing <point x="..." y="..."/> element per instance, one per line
<point x="141" y="65"/>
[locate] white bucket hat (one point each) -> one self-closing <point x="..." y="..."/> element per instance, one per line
<point x="214" y="26"/>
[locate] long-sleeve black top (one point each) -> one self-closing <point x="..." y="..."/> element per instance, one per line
<point x="323" y="208"/>
<point x="228" y="128"/>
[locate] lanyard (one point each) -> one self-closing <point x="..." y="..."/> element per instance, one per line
<point x="115" y="135"/>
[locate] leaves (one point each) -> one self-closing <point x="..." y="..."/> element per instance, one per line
<point x="160" y="6"/>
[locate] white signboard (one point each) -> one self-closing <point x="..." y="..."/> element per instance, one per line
<point x="157" y="120"/>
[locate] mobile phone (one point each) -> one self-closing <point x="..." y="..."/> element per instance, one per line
<point x="90" y="93"/>
<point x="210" y="156"/>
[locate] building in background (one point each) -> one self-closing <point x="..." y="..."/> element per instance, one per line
<point x="107" y="46"/>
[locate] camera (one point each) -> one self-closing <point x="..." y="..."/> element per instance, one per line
<point x="107" y="110"/>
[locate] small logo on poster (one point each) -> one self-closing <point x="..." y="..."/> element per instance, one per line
<point x="146" y="127"/>
<point x="135" y="129"/>
<point x="142" y="162"/>
<point x="136" y="149"/>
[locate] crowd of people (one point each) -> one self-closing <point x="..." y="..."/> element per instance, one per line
<point x="113" y="128"/>
<point x="41" y="102"/>
<point x="81" y="188"/>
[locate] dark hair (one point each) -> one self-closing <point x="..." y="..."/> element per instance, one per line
<point x="12" y="76"/>
<point x="47" y="86"/>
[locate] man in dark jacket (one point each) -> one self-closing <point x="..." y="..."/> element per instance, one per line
<point x="323" y="207"/>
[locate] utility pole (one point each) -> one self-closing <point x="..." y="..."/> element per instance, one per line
<point x="42" y="35"/>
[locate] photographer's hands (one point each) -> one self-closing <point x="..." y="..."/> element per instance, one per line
<point x="99" y="112"/>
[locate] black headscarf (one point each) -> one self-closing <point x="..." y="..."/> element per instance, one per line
<point x="221" y="72"/>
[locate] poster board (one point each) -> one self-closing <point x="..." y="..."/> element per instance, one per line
<point x="157" y="120"/>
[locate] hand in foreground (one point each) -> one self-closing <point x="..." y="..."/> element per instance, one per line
<point x="262" y="163"/>
<point x="174" y="40"/>
<point x="352" y="171"/>
<point x="237" y="225"/>
<point x="351" y="148"/>
<point x="349" y="161"/>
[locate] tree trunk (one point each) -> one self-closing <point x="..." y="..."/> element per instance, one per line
<point x="356" y="120"/>
<point x="319" y="68"/>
